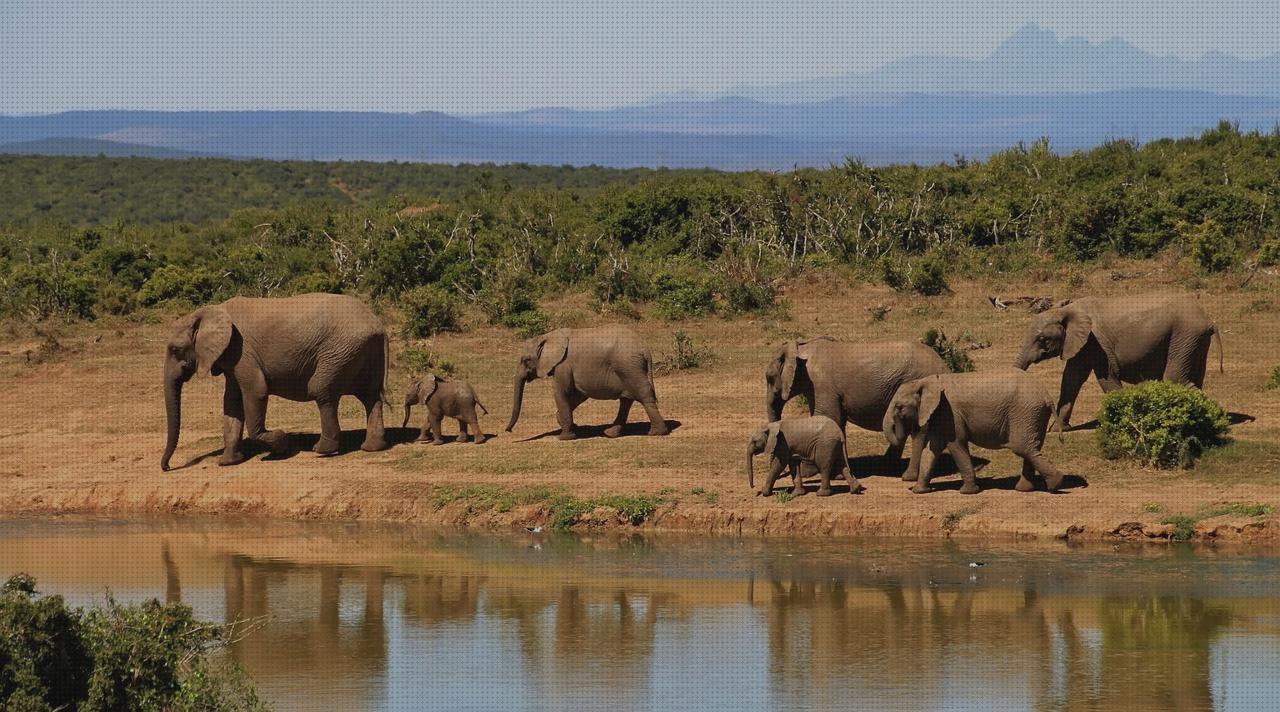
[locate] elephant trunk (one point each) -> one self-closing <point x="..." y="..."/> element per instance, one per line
<point x="751" y="472"/>
<point x="773" y="403"/>
<point x="407" y="408"/>
<point x="1024" y="360"/>
<point x="518" y="400"/>
<point x="173" y="412"/>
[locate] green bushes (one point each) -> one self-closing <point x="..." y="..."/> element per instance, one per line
<point x="955" y="356"/>
<point x="1160" y="424"/>
<point x="144" y="657"/>
<point x="428" y="310"/>
<point x="174" y="283"/>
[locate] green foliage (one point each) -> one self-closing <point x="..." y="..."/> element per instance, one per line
<point x="1210" y="247"/>
<point x="784" y="496"/>
<point x="1161" y="424"/>
<point x="929" y="278"/>
<point x="1274" y="381"/>
<point x="421" y="361"/>
<point x="429" y="310"/>
<point x="685" y="355"/>
<point x="1269" y="253"/>
<point x="527" y="324"/>
<point x="1184" y="525"/>
<point x="174" y="283"/>
<point x="956" y="358"/>
<point x="681" y="295"/>
<point x="145" y="657"/>
<point x="565" y="510"/>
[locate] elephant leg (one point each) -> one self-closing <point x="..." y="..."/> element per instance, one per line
<point x="232" y="424"/>
<point x="255" y="424"/>
<point x="330" y="430"/>
<point x="928" y="458"/>
<point x="824" y="481"/>
<point x="1024" y="482"/>
<point x="463" y="435"/>
<point x="912" y="473"/>
<point x="565" y="405"/>
<point x="375" y="433"/>
<point x="425" y="433"/>
<point x="477" y="435"/>
<point x="775" y="469"/>
<point x="1186" y="361"/>
<point x="797" y="482"/>
<point x="657" y="425"/>
<point x="1073" y="377"/>
<point x="960" y="453"/>
<point x="435" y="422"/>
<point x="624" y="409"/>
<point x="1053" y="476"/>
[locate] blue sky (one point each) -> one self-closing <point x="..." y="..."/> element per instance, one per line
<point x="481" y="55"/>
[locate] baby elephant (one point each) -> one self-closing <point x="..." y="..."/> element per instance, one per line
<point x="996" y="409"/>
<point x="455" y="399"/>
<point x="815" y="441"/>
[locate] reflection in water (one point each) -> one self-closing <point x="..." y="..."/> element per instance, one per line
<point x="401" y="618"/>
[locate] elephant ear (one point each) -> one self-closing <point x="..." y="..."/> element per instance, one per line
<point x="891" y="413"/>
<point x="932" y="395"/>
<point x="789" y="355"/>
<point x="1077" y="327"/>
<point x="552" y="350"/>
<point x="411" y="397"/>
<point x="429" y="386"/>
<point x="776" y="439"/>
<point x="212" y="337"/>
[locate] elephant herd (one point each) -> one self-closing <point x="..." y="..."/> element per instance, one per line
<point x="320" y="347"/>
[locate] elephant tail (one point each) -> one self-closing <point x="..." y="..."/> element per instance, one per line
<point x="386" y="367"/>
<point x="481" y="406"/>
<point x="1218" y="333"/>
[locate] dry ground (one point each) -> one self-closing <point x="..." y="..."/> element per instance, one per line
<point x="82" y="431"/>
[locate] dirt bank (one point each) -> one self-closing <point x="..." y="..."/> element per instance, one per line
<point x="83" y="430"/>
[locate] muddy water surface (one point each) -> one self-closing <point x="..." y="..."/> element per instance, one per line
<point x="391" y="617"/>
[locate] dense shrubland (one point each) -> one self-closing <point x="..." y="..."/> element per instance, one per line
<point x="90" y="237"/>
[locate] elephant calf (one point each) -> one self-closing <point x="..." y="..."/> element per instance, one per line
<point x="455" y="399"/>
<point x="996" y="409"/>
<point x="815" y="440"/>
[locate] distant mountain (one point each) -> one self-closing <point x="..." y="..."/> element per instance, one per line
<point x="95" y="147"/>
<point x="1031" y="61"/>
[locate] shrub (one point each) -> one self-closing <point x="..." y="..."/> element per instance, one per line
<point x="51" y="289"/>
<point x="890" y="273"/>
<point x="174" y="283"/>
<point x="681" y="296"/>
<point x="527" y="324"/>
<point x="326" y="282"/>
<point x="422" y="361"/>
<point x="929" y="278"/>
<point x="1273" y="382"/>
<point x="1211" y="249"/>
<point x="428" y="310"/>
<point x="151" y="656"/>
<point x="956" y="358"/>
<point x="684" y="356"/>
<point x="1269" y="253"/>
<point x="1161" y="424"/>
<point x="749" y="297"/>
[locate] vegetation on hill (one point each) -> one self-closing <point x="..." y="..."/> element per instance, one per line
<point x="85" y="237"/>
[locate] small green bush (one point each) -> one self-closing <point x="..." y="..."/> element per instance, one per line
<point x="1273" y="382"/>
<point x="1211" y="249"/>
<point x="1161" y="424"/>
<point x="890" y="273"/>
<point x="1269" y="253"/>
<point x="422" y="361"/>
<point x="326" y="282"/>
<point x="929" y="278"/>
<point x="684" y="356"/>
<point x="743" y="297"/>
<point x="174" y="283"/>
<point x="429" y="310"/>
<point x="681" y="296"/>
<point x="956" y="358"/>
<point x="527" y="324"/>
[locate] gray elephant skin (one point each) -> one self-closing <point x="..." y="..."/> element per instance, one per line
<point x="601" y="363"/>
<point x="815" y="440"/>
<point x="311" y="347"/>
<point x="999" y="409"/>
<point x="847" y="382"/>
<point x="1146" y="337"/>
<point x="445" y="398"/>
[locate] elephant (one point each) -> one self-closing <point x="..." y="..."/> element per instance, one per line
<point x="816" y="440"/>
<point x="310" y="347"/>
<point x="603" y="362"/>
<point x="847" y="382"/>
<point x="1158" y="336"/>
<point x="455" y="399"/>
<point x="999" y="409"/>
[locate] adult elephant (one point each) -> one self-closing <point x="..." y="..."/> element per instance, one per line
<point x="847" y="382"/>
<point x="311" y="347"/>
<point x="603" y="363"/>
<point x="1147" y="337"/>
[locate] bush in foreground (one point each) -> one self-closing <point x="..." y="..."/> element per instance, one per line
<point x="151" y="656"/>
<point x="1160" y="424"/>
<point x="429" y="310"/>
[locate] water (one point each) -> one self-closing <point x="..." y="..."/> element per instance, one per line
<point x="389" y="617"/>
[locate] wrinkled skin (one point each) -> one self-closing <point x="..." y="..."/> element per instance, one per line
<point x="815" y="440"/>
<point x="311" y="347"/>
<point x="998" y="409"/>
<point x="847" y="382"/>
<point x="445" y="397"/>
<point x="1122" y="340"/>
<point x="601" y="363"/>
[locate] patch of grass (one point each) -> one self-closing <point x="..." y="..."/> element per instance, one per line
<point x="953" y="518"/>
<point x="566" y="510"/>
<point x="1184" y="525"/>
<point x="784" y="496"/>
<point x="1273" y="382"/>
<point x="704" y="496"/>
<point x="1152" y="508"/>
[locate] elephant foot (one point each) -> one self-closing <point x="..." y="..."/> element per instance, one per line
<point x="480" y="439"/>
<point x="567" y="435"/>
<point x="422" y="439"/>
<point x="970" y="488"/>
<point x="1054" y="483"/>
<point x="1024" y="485"/>
<point x="374" y="445"/>
<point x="659" y="429"/>
<point x="464" y="438"/>
<point x="797" y="490"/>
<point x="437" y="441"/>
<point x="613" y="431"/>
<point x="326" y="446"/>
<point x="824" y="491"/>
<point x="909" y="476"/>
<point x="921" y="489"/>
<point x="277" y="441"/>
<point x="856" y="487"/>
<point x="230" y="457"/>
